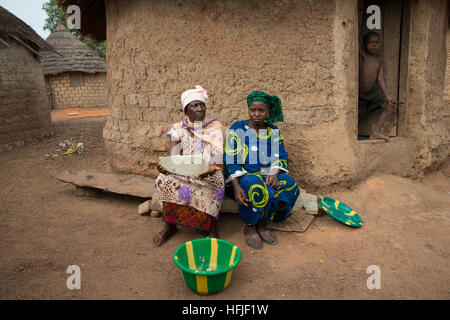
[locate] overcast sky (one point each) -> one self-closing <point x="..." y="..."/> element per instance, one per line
<point x="29" y="11"/>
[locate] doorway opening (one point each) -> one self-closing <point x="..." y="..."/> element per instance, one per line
<point x="394" y="38"/>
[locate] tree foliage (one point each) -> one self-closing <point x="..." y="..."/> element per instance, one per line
<point x="55" y="16"/>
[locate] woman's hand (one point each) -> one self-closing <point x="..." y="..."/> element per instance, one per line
<point x="239" y="193"/>
<point x="160" y="168"/>
<point x="211" y="170"/>
<point x="272" y="181"/>
<point x="240" y="196"/>
<point x="272" y="178"/>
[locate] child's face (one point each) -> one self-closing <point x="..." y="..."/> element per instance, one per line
<point x="373" y="44"/>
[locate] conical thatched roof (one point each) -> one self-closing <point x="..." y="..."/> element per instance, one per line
<point x="14" y="30"/>
<point x="75" y="55"/>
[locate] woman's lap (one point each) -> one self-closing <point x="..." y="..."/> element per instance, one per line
<point x="264" y="201"/>
<point x="174" y="213"/>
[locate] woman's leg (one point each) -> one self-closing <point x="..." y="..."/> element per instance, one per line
<point x="259" y="197"/>
<point x="287" y="194"/>
<point x="161" y="237"/>
<point x="213" y="233"/>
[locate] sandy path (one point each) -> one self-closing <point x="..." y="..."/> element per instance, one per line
<point x="72" y="113"/>
<point x="45" y="227"/>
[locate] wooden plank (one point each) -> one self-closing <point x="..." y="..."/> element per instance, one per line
<point x="129" y="184"/>
<point x="392" y="13"/>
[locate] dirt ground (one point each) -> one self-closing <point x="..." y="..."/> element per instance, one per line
<point x="45" y="227"/>
<point x="72" y="113"/>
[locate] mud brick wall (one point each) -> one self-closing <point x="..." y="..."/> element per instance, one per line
<point x="446" y="98"/>
<point x="426" y="82"/>
<point x="282" y="47"/>
<point x="303" y="51"/>
<point x="24" y="108"/>
<point x="93" y="92"/>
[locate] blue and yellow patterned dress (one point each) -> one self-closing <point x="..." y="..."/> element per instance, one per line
<point x="249" y="156"/>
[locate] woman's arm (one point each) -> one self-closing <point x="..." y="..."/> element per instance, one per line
<point x="175" y="148"/>
<point x="239" y="193"/>
<point x="279" y="155"/>
<point x="212" y="168"/>
<point x="235" y="153"/>
<point x="272" y="178"/>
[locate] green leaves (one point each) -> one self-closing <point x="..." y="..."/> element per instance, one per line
<point x="55" y="16"/>
<point x="98" y="47"/>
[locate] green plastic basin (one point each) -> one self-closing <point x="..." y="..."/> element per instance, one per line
<point x="207" y="264"/>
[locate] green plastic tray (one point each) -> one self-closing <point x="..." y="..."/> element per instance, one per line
<point x="340" y="211"/>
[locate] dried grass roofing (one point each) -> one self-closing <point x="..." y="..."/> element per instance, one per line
<point x="14" y="30"/>
<point x="93" y="17"/>
<point x="75" y="55"/>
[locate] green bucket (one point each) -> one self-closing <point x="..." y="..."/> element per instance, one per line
<point x="207" y="264"/>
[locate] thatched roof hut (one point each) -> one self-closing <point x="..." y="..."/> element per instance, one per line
<point x="75" y="56"/>
<point x="14" y="30"/>
<point x="76" y="77"/>
<point x="25" y="112"/>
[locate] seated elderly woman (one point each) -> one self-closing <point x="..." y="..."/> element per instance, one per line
<point x="192" y="201"/>
<point x="256" y="165"/>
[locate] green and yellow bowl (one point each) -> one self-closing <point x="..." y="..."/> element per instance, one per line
<point x="207" y="264"/>
<point x="340" y="211"/>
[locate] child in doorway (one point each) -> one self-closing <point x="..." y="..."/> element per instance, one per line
<point x="371" y="73"/>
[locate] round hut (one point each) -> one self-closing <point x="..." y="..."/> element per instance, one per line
<point x="305" y="52"/>
<point x="77" y="77"/>
<point x="24" y="108"/>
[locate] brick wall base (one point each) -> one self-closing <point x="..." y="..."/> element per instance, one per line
<point x="63" y="94"/>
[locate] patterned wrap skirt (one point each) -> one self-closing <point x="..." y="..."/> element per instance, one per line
<point x="266" y="203"/>
<point x="186" y="216"/>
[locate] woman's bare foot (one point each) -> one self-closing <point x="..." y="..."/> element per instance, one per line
<point x="161" y="237"/>
<point x="252" y="237"/>
<point x="213" y="233"/>
<point x="378" y="136"/>
<point x="266" y="234"/>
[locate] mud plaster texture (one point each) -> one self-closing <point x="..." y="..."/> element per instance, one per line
<point x="24" y="108"/>
<point x="303" y="51"/>
<point x="446" y="97"/>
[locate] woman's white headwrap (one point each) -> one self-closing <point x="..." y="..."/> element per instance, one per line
<point x="190" y="95"/>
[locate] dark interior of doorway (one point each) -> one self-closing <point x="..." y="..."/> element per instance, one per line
<point x="391" y="33"/>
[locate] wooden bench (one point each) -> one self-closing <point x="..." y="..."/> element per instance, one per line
<point x="305" y="201"/>
<point x="144" y="187"/>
